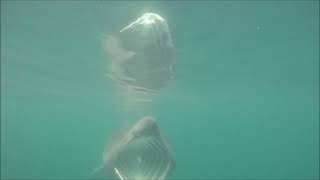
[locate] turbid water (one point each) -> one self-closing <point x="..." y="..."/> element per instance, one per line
<point x="244" y="103"/>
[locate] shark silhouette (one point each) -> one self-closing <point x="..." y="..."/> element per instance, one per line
<point x="140" y="152"/>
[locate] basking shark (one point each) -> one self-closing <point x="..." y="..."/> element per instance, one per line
<point x="142" y="57"/>
<point x="140" y="152"/>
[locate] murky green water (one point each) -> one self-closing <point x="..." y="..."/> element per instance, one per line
<point x="245" y="102"/>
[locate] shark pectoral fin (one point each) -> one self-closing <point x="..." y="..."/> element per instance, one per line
<point x="98" y="173"/>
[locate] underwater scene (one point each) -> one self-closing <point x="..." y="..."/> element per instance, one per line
<point x="139" y="90"/>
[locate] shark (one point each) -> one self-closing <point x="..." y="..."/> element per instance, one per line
<point x="139" y="152"/>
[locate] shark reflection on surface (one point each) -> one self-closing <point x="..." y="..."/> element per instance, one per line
<point x="142" y="57"/>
